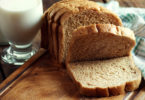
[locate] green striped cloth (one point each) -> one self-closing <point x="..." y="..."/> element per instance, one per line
<point x="133" y="18"/>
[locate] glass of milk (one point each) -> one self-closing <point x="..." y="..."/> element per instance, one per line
<point x="20" y="20"/>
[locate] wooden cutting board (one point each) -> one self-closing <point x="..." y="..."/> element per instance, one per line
<point x="41" y="79"/>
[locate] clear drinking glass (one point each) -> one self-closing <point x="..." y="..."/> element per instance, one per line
<point x="20" y="20"/>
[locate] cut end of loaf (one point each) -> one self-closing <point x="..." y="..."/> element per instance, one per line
<point x="100" y="41"/>
<point x="77" y="13"/>
<point x="105" y="77"/>
<point x="86" y="16"/>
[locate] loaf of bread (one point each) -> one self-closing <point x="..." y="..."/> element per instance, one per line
<point x="105" y="77"/>
<point x="67" y="15"/>
<point x="100" y="41"/>
<point x="49" y="27"/>
<point x="92" y="43"/>
<point x="54" y="13"/>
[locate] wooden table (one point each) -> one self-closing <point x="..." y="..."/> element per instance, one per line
<point x="8" y="69"/>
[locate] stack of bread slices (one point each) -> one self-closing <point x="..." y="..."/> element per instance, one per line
<point x="96" y="49"/>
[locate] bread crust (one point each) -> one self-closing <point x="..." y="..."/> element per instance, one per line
<point x="61" y="40"/>
<point x="133" y="85"/>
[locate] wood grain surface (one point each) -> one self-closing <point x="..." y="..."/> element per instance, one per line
<point x="20" y="70"/>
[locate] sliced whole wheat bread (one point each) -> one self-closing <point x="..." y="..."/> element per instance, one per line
<point x="58" y="17"/>
<point x="53" y="31"/>
<point x="105" y="77"/>
<point x="60" y="25"/>
<point x="53" y="14"/>
<point x="50" y="17"/>
<point x="56" y="21"/>
<point x="82" y="14"/>
<point x="54" y="25"/>
<point x="100" y="41"/>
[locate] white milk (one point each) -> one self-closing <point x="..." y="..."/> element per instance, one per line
<point x="20" y="19"/>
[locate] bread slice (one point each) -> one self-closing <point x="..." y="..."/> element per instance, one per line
<point x="81" y="14"/>
<point x="105" y="77"/>
<point x="46" y="40"/>
<point x="100" y="41"/>
<point x="56" y="21"/>
<point x="53" y="31"/>
<point x="72" y="7"/>
<point x="54" y="25"/>
<point x="52" y="17"/>
<point x="48" y="34"/>
<point x="53" y="14"/>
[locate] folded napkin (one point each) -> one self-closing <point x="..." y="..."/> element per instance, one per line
<point x="133" y="18"/>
